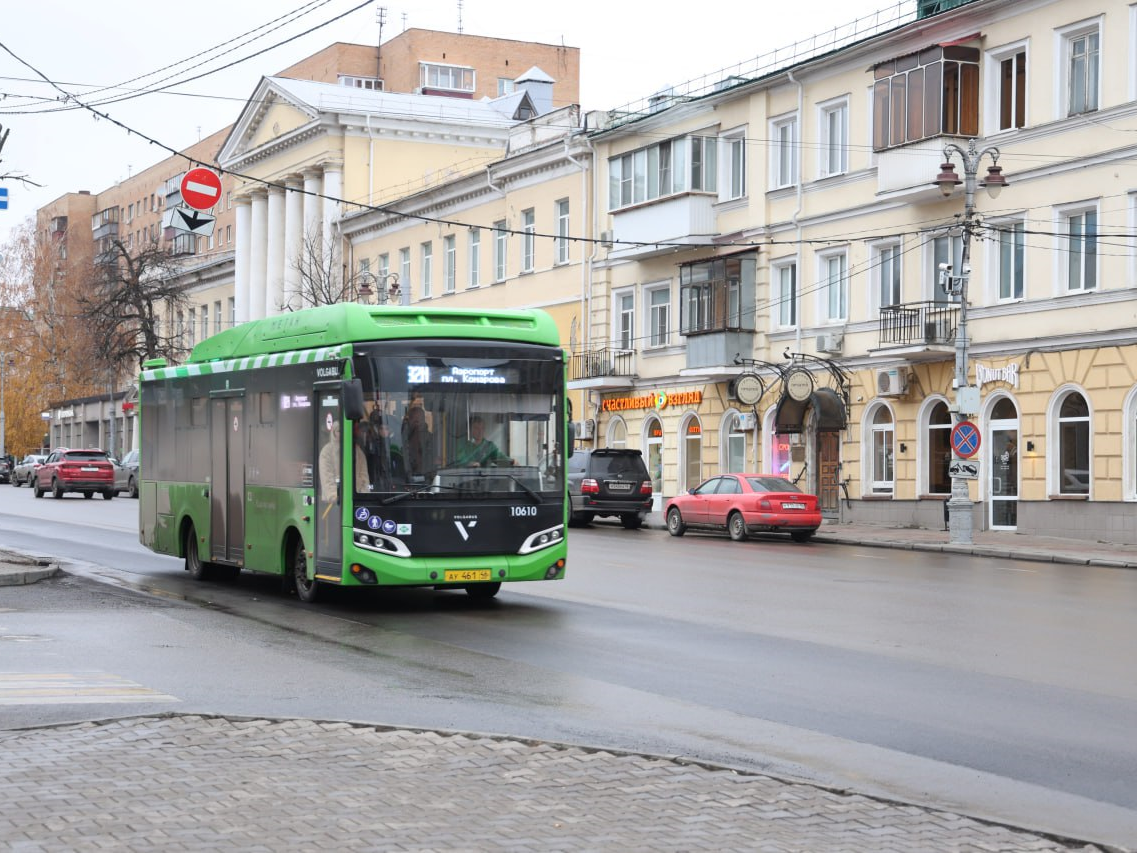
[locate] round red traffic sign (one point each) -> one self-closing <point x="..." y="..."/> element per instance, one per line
<point x="201" y="188"/>
<point x="965" y="439"/>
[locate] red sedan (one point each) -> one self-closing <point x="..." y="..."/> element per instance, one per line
<point x="742" y="504"/>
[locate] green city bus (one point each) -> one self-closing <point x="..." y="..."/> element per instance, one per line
<point x="362" y="446"/>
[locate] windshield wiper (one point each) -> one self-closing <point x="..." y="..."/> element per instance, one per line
<point x="537" y="499"/>
<point x="429" y="487"/>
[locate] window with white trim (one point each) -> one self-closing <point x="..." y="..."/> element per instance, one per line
<point x="886" y="274"/>
<point x="1011" y="81"/>
<point x="834" y="285"/>
<point x="834" y="127"/>
<point x="734" y="443"/>
<point x="663" y="169"/>
<point x="733" y="160"/>
<point x="561" y="247"/>
<point x="783" y="152"/>
<point x="500" y="249"/>
<point x="624" y="311"/>
<point x="1081" y="67"/>
<point x="939" y="452"/>
<point x="405" y="266"/>
<point x="528" y="241"/>
<point x="784" y="286"/>
<point x="1011" y="237"/>
<point x="449" y="263"/>
<point x="1079" y="235"/>
<point x="455" y="78"/>
<point x="475" y="257"/>
<point x="426" y="271"/>
<point x="946" y="249"/>
<point x="1073" y="445"/>
<point x="881" y="453"/>
<point x="659" y="315"/>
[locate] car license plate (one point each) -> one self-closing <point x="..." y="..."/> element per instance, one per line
<point x="793" y="506"/>
<point x="467" y="575"/>
<point x="88" y="468"/>
<point x="619" y="487"/>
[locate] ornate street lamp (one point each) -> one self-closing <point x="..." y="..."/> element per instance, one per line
<point x="967" y="396"/>
<point x="386" y="289"/>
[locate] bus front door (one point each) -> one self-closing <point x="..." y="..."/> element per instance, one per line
<point x="329" y="488"/>
<point x="227" y="492"/>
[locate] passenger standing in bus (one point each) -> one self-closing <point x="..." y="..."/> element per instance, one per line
<point x="418" y="445"/>
<point x="387" y="461"/>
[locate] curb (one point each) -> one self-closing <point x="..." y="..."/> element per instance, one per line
<point x="18" y="570"/>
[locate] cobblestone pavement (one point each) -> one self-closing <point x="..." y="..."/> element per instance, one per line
<point x="188" y="782"/>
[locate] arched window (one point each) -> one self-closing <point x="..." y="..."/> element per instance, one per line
<point x="734" y="444"/>
<point x="1074" y="445"/>
<point x="692" y="452"/>
<point x="1129" y="445"/>
<point x="881" y="434"/>
<point x="778" y="453"/>
<point x="653" y="441"/>
<point x="617" y="433"/>
<point x="938" y="457"/>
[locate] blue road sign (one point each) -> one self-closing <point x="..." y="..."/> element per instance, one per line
<point x="3" y="198"/>
<point x="965" y="439"/>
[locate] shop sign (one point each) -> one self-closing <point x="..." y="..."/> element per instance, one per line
<point x="986" y="375"/>
<point x="799" y="384"/>
<point x="660" y="400"/>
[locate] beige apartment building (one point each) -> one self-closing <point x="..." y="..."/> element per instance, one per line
<point x="776" y="295"/>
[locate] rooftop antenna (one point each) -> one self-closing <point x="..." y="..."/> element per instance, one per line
<point x="459" y="17"/>
<point x="381" y="18"/>
<point x="404" y="20"/>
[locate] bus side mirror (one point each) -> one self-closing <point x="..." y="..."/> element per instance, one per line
<point x="572" y="434"/>
<point x="353" y="400"/>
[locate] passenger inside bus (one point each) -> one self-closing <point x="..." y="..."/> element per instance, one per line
<point x="418" y="445"/>
<point x="477" y="450"/>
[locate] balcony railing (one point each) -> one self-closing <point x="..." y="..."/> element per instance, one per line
<point x="918" y="323"/>
<point x="597" y="364"/>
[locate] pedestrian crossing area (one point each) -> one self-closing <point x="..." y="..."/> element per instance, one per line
<point x="74" y="688"/>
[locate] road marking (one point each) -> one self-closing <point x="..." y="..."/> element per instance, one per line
<point x="63" y="688"/>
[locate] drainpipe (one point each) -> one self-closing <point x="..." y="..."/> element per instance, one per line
<point x="370" y="160"/>
<point x="797" y="211"/>
<point x="589" y="218"/>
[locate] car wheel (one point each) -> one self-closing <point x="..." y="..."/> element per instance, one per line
<point x="108" y="494"/>
<point x="88" y="495"/>
<point x="56" y="490"/>
<point x="16" y="481"/>
<point x="36" y="489"/>
<point x="580" y="519"/>
<point x="675" y="525"/>
<point x="802" y="535"/>
<point x="198" y="568"/>
<point x="736" y="525"/>
<point x="632" y="522"/>
<point x="483" y="591"/>
<point x="132" y="488"/>
<point x="307" y="589"/>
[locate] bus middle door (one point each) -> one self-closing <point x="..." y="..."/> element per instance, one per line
<point x="227" y="477"/>
<point x="330" y="489"/>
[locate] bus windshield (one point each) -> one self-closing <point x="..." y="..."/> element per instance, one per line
<point x="458" y="423"/>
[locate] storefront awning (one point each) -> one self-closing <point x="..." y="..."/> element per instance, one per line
<point x="829" y="412"/>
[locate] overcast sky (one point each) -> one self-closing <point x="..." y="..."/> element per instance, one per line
<point x="627" y="51"/>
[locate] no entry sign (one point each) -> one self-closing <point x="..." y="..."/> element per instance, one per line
<point x="201" y="189"/>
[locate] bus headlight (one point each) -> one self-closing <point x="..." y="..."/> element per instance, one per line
<point x="542" y="539"/>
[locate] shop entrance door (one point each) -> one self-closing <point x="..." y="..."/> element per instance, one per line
<point x="828" y="470"/>
<point x="1003" y="476"/>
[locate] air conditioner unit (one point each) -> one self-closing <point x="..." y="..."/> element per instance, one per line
<point x="831" y="342"/>
<point x="747" y="421"/>
<point x="606" y="239"/>
<point x="584" y="430"/>
<point x="891" y="381"/>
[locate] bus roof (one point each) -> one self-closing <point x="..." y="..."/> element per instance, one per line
<point x="347" y="322"/>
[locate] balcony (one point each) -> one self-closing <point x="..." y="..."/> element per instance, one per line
<point x="687" y="219"/>
<point x="601" y="368"/>
<point x="918" y="331"/>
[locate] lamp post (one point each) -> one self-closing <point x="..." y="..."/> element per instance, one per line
<point x="966" y="395"/>
<point x="386" y="290"/>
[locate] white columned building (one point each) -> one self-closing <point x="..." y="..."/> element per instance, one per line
<point x="293" y="239"/>
<point x="243" y="224"/>
<point x="258" y="254"/>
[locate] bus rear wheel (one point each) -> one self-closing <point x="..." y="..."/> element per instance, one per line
<point x="198" y="569"/>
<point x="483" y="591"/>
<point x="307" y="589"/>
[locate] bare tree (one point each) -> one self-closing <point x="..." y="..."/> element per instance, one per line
<point x="324" y="280"/>
<point x="125" y="295"/>
<point x="13" y="176"/>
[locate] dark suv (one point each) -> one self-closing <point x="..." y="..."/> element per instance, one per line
<point x="609" y="481"/>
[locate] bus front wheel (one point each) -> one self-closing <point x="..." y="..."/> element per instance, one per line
<point x="307" y="589"/>
<point x="483" y="591"/>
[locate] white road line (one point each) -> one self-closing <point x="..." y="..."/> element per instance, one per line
<point x="63" y="688"/>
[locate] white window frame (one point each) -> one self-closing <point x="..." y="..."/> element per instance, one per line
<point x="624" y="319"/>
<point x="1000" y="239"/>
<point x="449" y="263"/>
<point x="833" y="133"/>
<point x="824" y="286"/>
<point x="657" y="332"/>
<point x="887" y="260"/>
<point x="1066" y="241"/>
<point x="784" y="151"/>
<point x="1055" y="486"/>
<point x="500" y="251"/>
<point x="405" y="266"/>
<point x="474" y="278"/>
<point x="452" y="78"/>
<point x="561" y="216"/>
<point x="732" y="164"/>
<point x="993" y="87"/>
<point x="1129" y="446"/>
<point x="426" y="270"/>
<point x="874" y="484"/>
<point x="784" y="310"/>
<point x="954" y="255"/>
<point x="528" y="240"/>
<point x="729" y="441"/>
<point x="1064" y="47"/>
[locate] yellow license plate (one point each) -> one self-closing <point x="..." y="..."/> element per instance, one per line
<point x="468" y="575"/>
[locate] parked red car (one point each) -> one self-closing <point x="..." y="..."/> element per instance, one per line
<point x="742" y="504"/>
<point x="86" y="471"/>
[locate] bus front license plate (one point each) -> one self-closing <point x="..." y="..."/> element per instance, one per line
<point x="468" y="575"/>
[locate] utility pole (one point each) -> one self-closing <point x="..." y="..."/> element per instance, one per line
<point x="966" y="395"/>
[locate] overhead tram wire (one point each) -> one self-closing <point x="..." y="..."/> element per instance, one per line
<point x="295" y="14"/>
